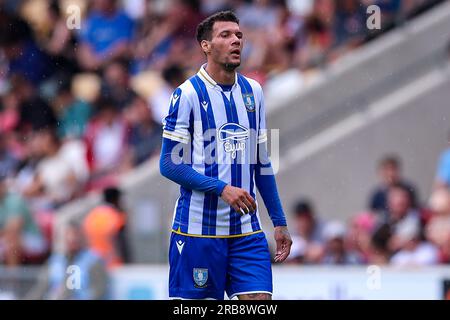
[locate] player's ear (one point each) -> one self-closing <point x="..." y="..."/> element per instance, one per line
<point x="206" y="46"/>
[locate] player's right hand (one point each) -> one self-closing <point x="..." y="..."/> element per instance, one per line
<point x="239" y="199"/>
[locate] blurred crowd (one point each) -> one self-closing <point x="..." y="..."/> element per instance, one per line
<point x="84" y="86"/>
<point x="396" y="228"/>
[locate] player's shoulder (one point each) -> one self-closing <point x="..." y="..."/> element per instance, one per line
<point x="185" y="89"/>
<point x="256" y="86"/>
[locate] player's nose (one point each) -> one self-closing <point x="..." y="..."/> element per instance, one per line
<point x="236" y="40"/>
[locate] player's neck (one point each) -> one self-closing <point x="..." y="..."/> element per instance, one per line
<point x="220" y="75"/>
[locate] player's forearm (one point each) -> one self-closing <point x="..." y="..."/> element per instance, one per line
<point x="267" y="186"/>
<point x="185" y="175"/>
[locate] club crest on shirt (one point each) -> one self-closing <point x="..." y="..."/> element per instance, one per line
<point x="233" y="136"/>
<point x="249" y="101"/>
<point x="200" y="277"/>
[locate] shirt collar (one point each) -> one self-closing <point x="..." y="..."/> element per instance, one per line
<point x="210" y="81"/>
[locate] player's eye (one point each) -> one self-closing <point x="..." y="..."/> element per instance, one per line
<point x="239" y="35"/>
<point x="225" y="34"/>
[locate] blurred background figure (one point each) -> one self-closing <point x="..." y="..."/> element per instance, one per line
<point x="73" y="114"/>
<point x="21" y="240"/>
<point x="173" y="76"/>
<point x="116" y="83"/>
<point x="380" y="252"/>
<point x="402" y="206"/>
<point x="105" y="229"/>
<point x="144" y="137"/>
<point x="61" y="172"/>
<point x="411" y="249"/>
<point x="106" y="35"/>
<point x="77" y="274"/>
<point x="443" y="171"/>
<point x="360" y="233"/>
<point x="106" y="140"/>
<point x="335" y="251"/>
<point x="307" y="241"/>
<point x="438" y="228"/>
<point x="389" y="170"/>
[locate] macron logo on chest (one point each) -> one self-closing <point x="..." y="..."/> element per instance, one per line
<point x="175" y="98"/>
<point x="205" y="105"/>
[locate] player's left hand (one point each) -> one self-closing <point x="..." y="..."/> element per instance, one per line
<point x="284" y="243"/>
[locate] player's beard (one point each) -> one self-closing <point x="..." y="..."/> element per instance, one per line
<point x="230" y="66"/>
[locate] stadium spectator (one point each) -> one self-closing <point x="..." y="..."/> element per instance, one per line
<point x="173" y="76"/>
<point x="359" y="235"/>
<point x="105" y="229"/>
<point x="106" y="138"/>
<point x="349" y="23"/>
<point x="153" y="40"/>
<point x="380" y="253"/>
<point x="442" y="179"/>
<point x="22" y="53"/>
<point x="438" y="228"/>
<point x="116" y="83"/>
<point x="73" y="114"/>
<point x="9" y="113"/>
<point x="403" y="214"/>
<point x="60" y="40"/>
<point x="106" y="34"/>
<point x="314" y="42"/>
<point x="8" y="161"/>
<point x="389" y="170"/>
<point x="26" y="170"/>
<point x="165" y="37"/>
<point x="411" y="249"/>
<point x="61" y="173"/>
<point x="144" y="138"/>
<point x="76" y="274"/>
<point x="35" y="113"/>
<point x="21" y="240"/>
<point x="307" y="246"/>
<point x="335" y="252"/>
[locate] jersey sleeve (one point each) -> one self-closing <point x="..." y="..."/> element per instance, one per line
<point x="262" y="129"/>
<point x="176" y="124"/>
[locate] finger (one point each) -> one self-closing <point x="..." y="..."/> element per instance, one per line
<point x="279" y="247"/>
<point x="286" y="249"/>
<point x="243" y="207"/>
<point x="248" y="204"/>
<point x="282" y="257"/>
<point x="252" y="202"/>
<point x="238" y="207"/>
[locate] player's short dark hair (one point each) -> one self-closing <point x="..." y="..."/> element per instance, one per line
<point x="204" y="29"/>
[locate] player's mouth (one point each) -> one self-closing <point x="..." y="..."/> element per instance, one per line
<point x="236" y="53"/>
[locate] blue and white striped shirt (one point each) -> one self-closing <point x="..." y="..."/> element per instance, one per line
<point x="222" y="130"/>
